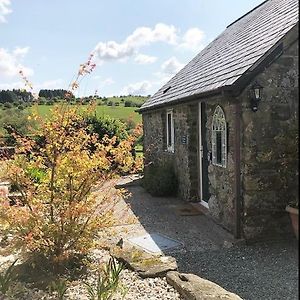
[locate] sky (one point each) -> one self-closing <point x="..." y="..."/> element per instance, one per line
<point x="138" y="45"/>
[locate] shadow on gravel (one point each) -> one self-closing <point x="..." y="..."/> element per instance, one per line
<point x="259" y="271"/>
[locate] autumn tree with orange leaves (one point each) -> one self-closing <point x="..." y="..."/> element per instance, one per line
<point x="62" y="176"/>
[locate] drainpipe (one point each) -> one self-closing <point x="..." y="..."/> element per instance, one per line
<point x="237" y="170"/>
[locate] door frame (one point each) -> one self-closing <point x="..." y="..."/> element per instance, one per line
<point x="200" y="155"/>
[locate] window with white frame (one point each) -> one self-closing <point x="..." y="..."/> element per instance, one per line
<point x="219" y="138"/>
<point x="170" y="131"/>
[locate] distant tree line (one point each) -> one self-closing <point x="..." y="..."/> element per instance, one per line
<point x="57" y="93"/>
<point x="15" y="96"/>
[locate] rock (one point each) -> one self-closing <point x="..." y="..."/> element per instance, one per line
<point x="146" y="265"/>
<point x="192" y="287"/>
<point x="227" y="244"/>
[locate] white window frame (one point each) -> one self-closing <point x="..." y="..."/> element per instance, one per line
<point x="170" y="148"/>
<point x="219" y="125"/>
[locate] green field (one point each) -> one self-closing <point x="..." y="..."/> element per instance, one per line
<point x="117" y="112"/>
<point x="121" y="100"/>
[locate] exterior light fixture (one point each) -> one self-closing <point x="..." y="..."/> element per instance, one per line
<point x="255" y="95"/>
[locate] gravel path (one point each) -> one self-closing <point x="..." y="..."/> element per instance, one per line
<point x="254" y="272"/>
<point x="132" y="286"/>
<point x="259" y="271"/>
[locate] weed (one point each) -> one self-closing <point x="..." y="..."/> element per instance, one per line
<point x="60" y="287"/>
<point x="107" y="282"/>
<point x="7" y="278"/>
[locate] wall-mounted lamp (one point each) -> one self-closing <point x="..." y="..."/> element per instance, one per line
<point x="255" y="95"/>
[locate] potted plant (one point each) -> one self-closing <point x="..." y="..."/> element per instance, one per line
<point x="289" y="170"/>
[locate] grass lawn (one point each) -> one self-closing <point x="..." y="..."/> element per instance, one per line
<point x="117" y="112"/>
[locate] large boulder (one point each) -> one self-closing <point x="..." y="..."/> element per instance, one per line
<point x="193" y="287"/>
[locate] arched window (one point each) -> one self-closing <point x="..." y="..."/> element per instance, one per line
<point x="219" y="138"/>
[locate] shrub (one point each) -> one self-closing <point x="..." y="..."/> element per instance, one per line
<point x="14" y="120"/>
<point x="109" y="103"/>
<point x="7" y="105"/>
<point x="160" y="180"/>
<point x="50" y="102"/>
<point x="59" y="214"/>
<point x="117" y="103"/>
<point x="106" y="125"/>
<point x="128" y="103"/>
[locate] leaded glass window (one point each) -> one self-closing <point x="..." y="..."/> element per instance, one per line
<point x="219" y="138"/>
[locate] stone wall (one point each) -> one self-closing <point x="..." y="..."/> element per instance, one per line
<point x="264" y="194"/>
<point x="222" y="180"/>
<point x="185" y="156"/>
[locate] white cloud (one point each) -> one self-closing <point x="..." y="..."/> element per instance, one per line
<point x="50" y="84"/>
<point x="104" y="82"/>
<point x="4" y="10"/>
<point x="145" y="35"/>
<point x="143" y="59"/>
<point x="47" y="84"/>
<point x="141" y="36"/>
<point x="193" y="39"/>
<point x="107" y="81"/>
<point x="138" y="88"/>
<point x="12" y="85"/>
<point x="20" y="52"/>
<point x="171" y="66"/>
<point x="168" y="69"/>
<point x="112" y="50"/>
<point x="11" y="63"/>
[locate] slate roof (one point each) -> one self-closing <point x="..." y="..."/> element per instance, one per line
<point x="231" y="54"/>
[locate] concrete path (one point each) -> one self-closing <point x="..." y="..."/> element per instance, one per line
<point x="259" y="271"/>
<point x="166" y="216"/>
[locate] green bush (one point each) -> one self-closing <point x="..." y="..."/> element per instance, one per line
<point x="7" y="105"/>
<point x="107" y="125"/>
<point x="160" y="180"/>
<point x="50" y="102"/>
<point x="14" y="119"/>
<point x="128" y="103"/>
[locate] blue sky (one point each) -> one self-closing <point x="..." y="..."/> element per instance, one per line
<point x="138" y="44"/>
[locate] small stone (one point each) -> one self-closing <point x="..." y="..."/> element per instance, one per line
<point x="227" y="244"/>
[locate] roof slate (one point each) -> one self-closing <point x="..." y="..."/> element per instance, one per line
<point x="232" y="53"/>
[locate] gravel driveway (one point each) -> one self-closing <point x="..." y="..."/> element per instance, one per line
<point x="259" y="271"/>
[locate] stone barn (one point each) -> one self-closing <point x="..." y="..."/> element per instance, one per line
<point x="217" y="121"/>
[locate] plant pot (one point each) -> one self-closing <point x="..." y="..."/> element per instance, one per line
<point x="294" y="215"/>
